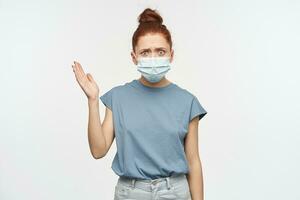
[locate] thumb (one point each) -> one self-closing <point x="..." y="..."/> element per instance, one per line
<point x="90" y="77"/>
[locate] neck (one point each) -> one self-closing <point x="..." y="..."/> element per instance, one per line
<point x="163" y="82"/>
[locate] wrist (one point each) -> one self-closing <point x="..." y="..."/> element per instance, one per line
<point x="93" y="100"/>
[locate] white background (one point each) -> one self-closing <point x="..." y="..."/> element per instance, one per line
<point x="240" y="58"/>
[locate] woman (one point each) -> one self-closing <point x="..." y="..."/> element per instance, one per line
<point x="154" y="121"/>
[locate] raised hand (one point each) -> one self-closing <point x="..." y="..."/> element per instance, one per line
<point x="86" y="81"/>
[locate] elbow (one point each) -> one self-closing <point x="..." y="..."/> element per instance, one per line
<point x="97" y="156"/>
<point x="98" y="152"/>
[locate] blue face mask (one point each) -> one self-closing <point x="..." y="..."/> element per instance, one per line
<point x="153" y="68"/>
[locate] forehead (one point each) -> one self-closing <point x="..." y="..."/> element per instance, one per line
<point x="152" y="41"/>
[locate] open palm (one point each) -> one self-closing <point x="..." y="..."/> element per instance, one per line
<point x="86" y="81"/>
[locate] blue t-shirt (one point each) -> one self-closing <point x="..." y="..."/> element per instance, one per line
<point x="150" y="125"/>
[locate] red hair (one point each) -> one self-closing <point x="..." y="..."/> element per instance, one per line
<point x="150" y="22"/>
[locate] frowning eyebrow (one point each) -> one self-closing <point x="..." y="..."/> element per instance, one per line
<point x="156" y="49"/>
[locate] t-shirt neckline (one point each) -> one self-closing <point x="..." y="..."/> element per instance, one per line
<point x="150" y="88"/>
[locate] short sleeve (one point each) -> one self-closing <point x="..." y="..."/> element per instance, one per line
<point x="197" y="109"/>
<point x="106" y="99"/>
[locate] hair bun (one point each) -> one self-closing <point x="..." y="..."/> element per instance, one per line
<point x="149" y="15"/>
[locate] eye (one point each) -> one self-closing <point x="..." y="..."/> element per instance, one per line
<point x="161" y="52"/>
<point x="144" y="53"/>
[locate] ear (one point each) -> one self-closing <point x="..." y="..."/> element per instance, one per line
<point x="134" y="60"/>
<point x="172" y="55"/>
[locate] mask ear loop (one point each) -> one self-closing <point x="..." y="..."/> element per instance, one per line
<point x="136" y="59"/>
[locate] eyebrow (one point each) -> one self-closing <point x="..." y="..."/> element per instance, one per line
<point x="159" y="48"/>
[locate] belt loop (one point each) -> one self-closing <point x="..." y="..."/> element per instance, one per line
<point x="168" y="183"/>
<point x="133" y="183"/>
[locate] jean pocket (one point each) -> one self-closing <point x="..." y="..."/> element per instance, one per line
<point x="121" y="191"/>
<point x="182" y="190"/>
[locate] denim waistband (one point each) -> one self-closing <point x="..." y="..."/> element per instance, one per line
<point x="149" y="185"/>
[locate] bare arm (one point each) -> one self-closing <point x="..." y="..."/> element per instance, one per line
<point x="195" y="176"/>
<point x="100" y="136"/>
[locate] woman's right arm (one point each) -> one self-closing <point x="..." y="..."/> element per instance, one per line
<point x="100" y="136"/>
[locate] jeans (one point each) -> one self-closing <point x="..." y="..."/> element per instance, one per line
<point x="167" y="188"/>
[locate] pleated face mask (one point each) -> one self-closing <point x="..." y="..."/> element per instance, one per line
<point x="153" y="68"/>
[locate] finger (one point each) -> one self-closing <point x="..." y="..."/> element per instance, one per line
<point x="80" y="74"/>
<point x="81" y="71"/>
<point x="75" y="70"/>
<point x="79" y="78"/>
<point x="76" y="73"/>
<point x="90" y="77"/>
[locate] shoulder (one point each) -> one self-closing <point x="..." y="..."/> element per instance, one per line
<point x="116" y="91"/>
<point x="190" y="103"/>
<point x="185" y="93"/>
<point x="110" y="97"/>
<point x="118" y="87"/>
